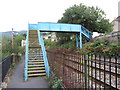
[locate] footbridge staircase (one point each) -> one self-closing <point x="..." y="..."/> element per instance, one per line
<point x="36" y="63"/>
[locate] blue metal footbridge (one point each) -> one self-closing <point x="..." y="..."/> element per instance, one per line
<point x="36" y="63"/>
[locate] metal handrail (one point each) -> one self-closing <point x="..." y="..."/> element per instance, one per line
<point x="26" y="57"/>
<point x="41" y="42"/>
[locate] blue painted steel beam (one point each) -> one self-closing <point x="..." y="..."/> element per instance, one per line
<point x="80" y="40"/>
<point x="76" y="40"/>
<point x="32" y="26"/>
<point x="44" y="26"/>
<point x="26" y="58"/>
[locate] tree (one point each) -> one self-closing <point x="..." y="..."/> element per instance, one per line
<point x="92" y="18"/>
<point x="6" y="46"/>
<point x="17" y="43"/>
<point x="18" y="39"/>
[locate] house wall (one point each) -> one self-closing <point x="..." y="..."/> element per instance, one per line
<point x="115" y="27"/>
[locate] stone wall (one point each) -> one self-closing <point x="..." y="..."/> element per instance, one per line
<point x="113" y="37"/>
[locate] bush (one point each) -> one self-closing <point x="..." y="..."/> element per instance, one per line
<point x="102" y="47"/>
<point x="50" y="44"/>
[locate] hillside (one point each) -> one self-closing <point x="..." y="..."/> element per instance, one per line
<point x="9" y="33"/>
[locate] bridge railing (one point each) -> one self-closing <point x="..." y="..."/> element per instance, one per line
<point x="79" y="70"/>
<point x="86" y="32"/>
<point x="41" y="42"/>
<point x="26" y="57"/>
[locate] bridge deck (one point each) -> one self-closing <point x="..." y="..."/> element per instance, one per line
<point x="44" y="26"/>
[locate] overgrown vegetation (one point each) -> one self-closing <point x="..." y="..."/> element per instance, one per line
<point x="97" y="46"/>
<point x="7" y="45"/>
<point x="102" y="46"/>
<point x="54" y="44"/>
<point x="54" y="83"/>
<point x="50" y="44"/>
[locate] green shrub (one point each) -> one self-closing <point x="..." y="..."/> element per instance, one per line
<point x="57" y="84"/>
<point x="99" y="46"/>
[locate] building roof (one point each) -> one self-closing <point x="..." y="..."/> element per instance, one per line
<point x="117" y="19"/>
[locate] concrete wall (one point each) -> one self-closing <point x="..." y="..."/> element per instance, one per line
<point x="115" y="27"/>
<point x="113" y="37"/>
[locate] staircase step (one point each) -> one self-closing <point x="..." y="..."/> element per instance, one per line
<point x="34" y="54"/>
<point x="40" y="68"/>
<point x="36" y="65"/>
<point x="33" y="43"/>
<point x="35" y="47"/>
<point x="35" y="58"/>
<point x="36" y="71"/>
<point x="36" y="62"/>
<point x="34" y="50"/>
<point x="33" y="37"/>
<point x="41" y="74"/>
<point x="35" y="34"/>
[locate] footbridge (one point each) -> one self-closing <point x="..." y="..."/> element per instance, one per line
<point x="36" y="63"/>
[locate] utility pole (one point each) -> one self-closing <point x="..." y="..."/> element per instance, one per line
<point x="12" y="39"/>
<point x="13" y="45"/>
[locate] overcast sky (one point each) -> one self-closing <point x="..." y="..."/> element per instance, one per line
<point x="18" y="13"/>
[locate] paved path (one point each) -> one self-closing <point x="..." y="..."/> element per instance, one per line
<point x="17" y="80"/>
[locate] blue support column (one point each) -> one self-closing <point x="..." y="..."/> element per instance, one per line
<point x="26" y="58"/>
<point x="80" y="40"/>
<point x="76" y="40"/>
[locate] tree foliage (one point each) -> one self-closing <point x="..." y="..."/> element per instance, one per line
<point x="92" y="18"/>
<point x="7" y="45"/>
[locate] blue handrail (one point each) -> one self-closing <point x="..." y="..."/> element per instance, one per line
<point x="86" y="32"/>
<point x="26" y="57"/>
<point x="41" y="42"/>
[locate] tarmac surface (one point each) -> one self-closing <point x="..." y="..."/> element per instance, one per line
<point x="17" y="80"/>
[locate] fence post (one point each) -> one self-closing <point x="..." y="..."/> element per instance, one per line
<point x="63" y="65"/>
<point x="85" y="71"/>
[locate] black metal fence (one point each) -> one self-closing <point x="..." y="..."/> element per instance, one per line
<point x="6" y="63"/>
<point x="85" y="70"/>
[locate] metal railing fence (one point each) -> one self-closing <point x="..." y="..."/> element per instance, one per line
<point x="79" y="70"/>
<point x="6" y="63"/>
